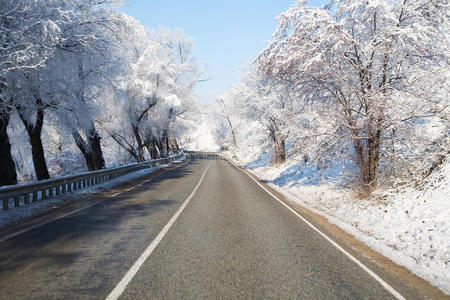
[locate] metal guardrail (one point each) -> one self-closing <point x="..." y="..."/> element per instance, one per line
<point x="24" y="193"/>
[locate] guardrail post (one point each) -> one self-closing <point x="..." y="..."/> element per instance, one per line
<point x="50" y="192"/>
<point x="69" y="187"/>
<point x="5" y="204"/>
<point x="16" y="201"/>
<point x="35" y="196"/>
<point x="26" y="198"/>
<point x="63" y="188"/>
<point x="44" y="194"/>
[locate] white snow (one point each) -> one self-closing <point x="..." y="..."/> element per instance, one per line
<point x="410" y="225"/>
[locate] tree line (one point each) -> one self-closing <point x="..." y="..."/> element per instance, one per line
<point x="79" y="74"/>
<point x="365" y="82"/>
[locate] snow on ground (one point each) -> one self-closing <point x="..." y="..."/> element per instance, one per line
<point x="16" y="215"/>
<point x="410" y="225"/>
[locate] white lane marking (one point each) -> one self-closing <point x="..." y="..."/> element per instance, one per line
<point x="354" y="259"/>
<point x="122" y="285"/>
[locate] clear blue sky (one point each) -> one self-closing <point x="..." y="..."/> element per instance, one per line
<point x="226" y="34"/>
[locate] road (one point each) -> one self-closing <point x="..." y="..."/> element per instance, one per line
<point x="203" y="230"/>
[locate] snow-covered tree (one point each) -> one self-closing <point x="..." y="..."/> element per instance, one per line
<point x="156" y="89"/>
<point x="373" y="70"/>
<point x="29" y="32"/>
<point x="71" y="70"/>
<point x="268" y="107"/>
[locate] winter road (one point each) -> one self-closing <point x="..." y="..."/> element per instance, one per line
<point x="199" y="230"/>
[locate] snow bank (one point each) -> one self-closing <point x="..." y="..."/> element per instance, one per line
<point x="410" y="225"/>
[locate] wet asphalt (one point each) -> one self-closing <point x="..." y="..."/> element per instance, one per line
<point x="232" y="241"/>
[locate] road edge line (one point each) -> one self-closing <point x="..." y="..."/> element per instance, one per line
<point x="383" y="283"/>
<point x="122" y="285"/>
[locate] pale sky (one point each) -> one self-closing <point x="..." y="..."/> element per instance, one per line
<point x="227" y="34"/>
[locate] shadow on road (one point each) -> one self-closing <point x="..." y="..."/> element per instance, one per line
<point x="60" y="242"/>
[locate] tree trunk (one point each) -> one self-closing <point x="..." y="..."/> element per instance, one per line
<point x="280" y="152"/>
<point x="225" y="113"/>
<point x="174" y="145"/>
<point x="140" y="149"/>
<point x="8" y="175"/>
<point x="91" y="149"/>
<point x="232" y="131"/>
<point x="96" y="149"/>
<point x="279" y="143"/>
<point x="164" y="144"/>
<point x="368" y="157"/>
<point x="37" y="149"/>
<point x="81" y="144"/>
<point x="152" y="147"/>
<point x="374" y="130"/>
<point x="159" y="147"/>
<point x="367" y="151"/>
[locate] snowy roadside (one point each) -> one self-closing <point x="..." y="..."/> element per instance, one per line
<point x="17" y="215"/>
<point x="410" y="225"/>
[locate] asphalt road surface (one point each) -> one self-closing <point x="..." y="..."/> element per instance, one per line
<point x="202" y="230"/>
